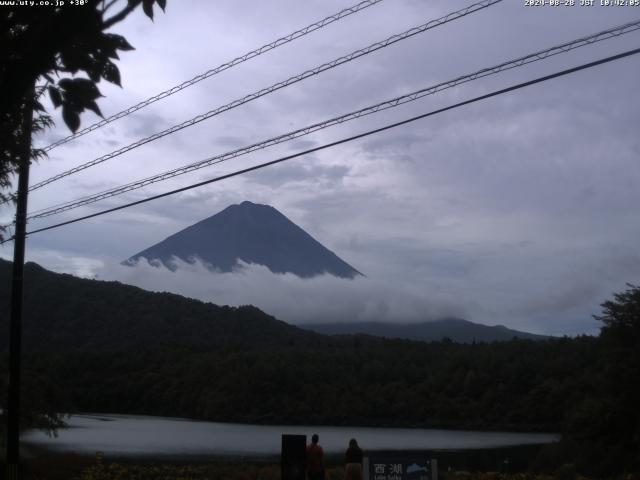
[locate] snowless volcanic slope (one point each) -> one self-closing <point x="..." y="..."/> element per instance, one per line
<point x="252" y="233"/>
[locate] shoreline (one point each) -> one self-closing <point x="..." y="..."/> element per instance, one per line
<point x="506" y="428"/>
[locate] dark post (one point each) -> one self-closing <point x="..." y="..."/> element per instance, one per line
<point x="293" y="457"/>
<point x="15" y="327"/>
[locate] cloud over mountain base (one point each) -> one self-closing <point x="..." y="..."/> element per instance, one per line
<point x="323" y="298"/>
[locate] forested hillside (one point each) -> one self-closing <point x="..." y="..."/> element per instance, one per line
<point x="62" y="311"/>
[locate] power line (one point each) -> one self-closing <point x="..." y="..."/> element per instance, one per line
<point x="277" y="86"/>
<point x="525" y="60"/>
<point x="221" y="68"/>
<point x="345" y="140"/>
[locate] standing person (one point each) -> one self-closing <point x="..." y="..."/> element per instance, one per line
<point x="315" y="457"/>
<point x="353" y="461"/>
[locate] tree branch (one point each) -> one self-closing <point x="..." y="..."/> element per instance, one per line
<point x="108" y="6"/>
<point x="118" y="17"/>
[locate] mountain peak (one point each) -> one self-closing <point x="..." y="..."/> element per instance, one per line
<point x="253" y="233"/>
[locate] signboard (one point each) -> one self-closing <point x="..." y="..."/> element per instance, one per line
<point x="293" y="457"/>
<point x="402" y="469"/>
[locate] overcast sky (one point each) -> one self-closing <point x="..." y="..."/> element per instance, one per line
<point x="520" y="210"/>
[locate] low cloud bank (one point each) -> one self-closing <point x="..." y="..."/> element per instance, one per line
<point x="290" y="298"/>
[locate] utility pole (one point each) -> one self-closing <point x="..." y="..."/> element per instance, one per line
<point x="15" y="327"/>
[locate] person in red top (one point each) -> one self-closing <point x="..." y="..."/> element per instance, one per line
<point x="315" y="458"/>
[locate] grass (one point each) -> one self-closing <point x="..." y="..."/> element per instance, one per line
<point x="473" y="465"/>
<point x="79" y="467"/>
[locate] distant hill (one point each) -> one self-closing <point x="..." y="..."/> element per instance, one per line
<point x="253" y="233"/>
<point x="458" y="330"/>
<point x="62" y="311"/>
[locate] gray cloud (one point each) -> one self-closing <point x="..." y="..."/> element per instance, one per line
<point x="147" y="124"/>
<point x="290" y="298"/>
<point x="310" y="173"/>
<point x="302" y="144"/>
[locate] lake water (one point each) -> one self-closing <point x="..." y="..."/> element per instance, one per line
<point x="128" y="435"/>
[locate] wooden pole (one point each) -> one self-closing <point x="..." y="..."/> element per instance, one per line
<point x="15" y="326"/>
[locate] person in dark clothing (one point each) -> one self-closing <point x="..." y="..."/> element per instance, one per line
<point x="315" y="456"/>
<point x="353" y="460"/>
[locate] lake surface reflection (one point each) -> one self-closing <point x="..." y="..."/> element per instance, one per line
<point x="129" y="435"/>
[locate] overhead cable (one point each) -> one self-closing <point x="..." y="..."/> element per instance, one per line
<point x="344" y="140"/>
<point x="221" y="68"/>
<point x="277" y="86"/>
<point x="387" y="104"/>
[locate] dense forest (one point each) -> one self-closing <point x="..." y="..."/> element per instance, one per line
<point x="518" y="385"/>
<point x="242" y="365"/>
